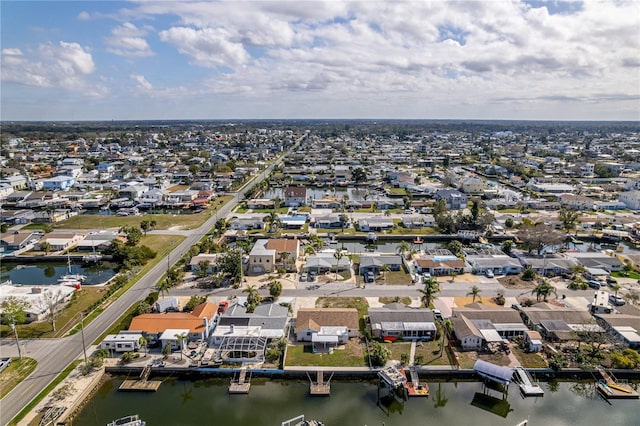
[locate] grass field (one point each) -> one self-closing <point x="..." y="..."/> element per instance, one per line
<point x="529" y="360"/>
<point x="163" y="221"/>
<point x="386" y="300"/>
<point x="349" y="355"/>
<point x="429" y="351"/>
<point x="15" y="373"/>
<point x="360" y="303"/>
<point x="394" y="278"/>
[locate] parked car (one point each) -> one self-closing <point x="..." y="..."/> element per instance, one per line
<point x="611" y="280"/>
<point x="4" y="363"/>
<point x="616" y="300"/>
<point x="437" y="314"/>
<point x="593" y="284"/>
<point x="304" y="276"/>
<point x="489" y="273"/>
<point x="368" y="277"/>
<point x="312" y="276"/>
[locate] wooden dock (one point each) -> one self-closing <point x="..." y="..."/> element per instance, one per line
<point x="610" y="388"/>
<point x="413" y="386"/>
<point x="320" y="387"/>
<point x="140" y="385"/>
<point x="241" y="385"/>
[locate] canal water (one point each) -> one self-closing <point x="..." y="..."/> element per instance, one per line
<point x="46" y="273"/>
<point x="206" y="402"/>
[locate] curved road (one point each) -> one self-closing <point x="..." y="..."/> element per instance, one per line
<point x="53" y="355"/>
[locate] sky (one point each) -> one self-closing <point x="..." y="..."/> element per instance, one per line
<point x="294" y="59"/>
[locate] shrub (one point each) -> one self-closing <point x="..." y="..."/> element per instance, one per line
<point x="63" y="392"/>
<point x="529" y="274"/>
<point x="379" y="354"/>
<point x="419" y="359"/>
<point x="500" y="300"/>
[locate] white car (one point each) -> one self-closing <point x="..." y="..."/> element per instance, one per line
<point x="489" y="273"/>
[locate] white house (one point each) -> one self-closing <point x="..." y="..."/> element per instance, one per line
<point x="124" y="341"/>
<point x="630" y="199"/>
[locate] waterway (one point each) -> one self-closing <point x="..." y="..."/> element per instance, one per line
<point x="47" y="273"/>
<point x="270" y="402"/>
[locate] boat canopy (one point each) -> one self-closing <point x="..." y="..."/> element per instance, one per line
<point x="493" y="372"/>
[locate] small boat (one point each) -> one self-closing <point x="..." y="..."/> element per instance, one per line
<point x="132" y="420"/>
<point x="300" y="421"/>
<point x="371" y="236"/>
<point x="71" y="280"/>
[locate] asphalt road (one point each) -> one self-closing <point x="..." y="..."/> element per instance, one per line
<point x="53" y="355"/>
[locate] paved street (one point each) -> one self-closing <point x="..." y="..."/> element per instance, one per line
<point x="53" y="355"/>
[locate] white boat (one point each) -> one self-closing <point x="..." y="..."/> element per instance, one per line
<point x="72" y="280"/>
<point x="133" y="420"/>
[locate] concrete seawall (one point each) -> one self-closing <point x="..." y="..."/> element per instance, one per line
<point x="295" y="373"/>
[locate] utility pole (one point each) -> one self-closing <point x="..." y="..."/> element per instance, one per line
<point x="15" y="331"/>
<point x="84" y="347"/>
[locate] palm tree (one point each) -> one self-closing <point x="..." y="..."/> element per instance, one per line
<point x="272" y="220"/>
<point x="447" y="326"/>
<point x="253" y="297"/>
<point x="543" y="290"/>
<point x="338" y="255"/>
<point x="615" y="287"/>
<point x="384" y="269"/>
<point x="431" y="288"/>
<point x="143" y="343"/>
<point x="45" y="247"/>
<point x="284" y="256"/>
<point x="163" y="286"/>
<point x="403" y="248"/>
<point x="181" y="338"/>
<point x="475" y="292"/>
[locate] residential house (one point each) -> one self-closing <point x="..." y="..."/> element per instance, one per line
<point x="597" y="260"/>
<point x="124" y="341"/>
<point x="477" y="325"/>
<point x="5" y="190"/>
<point x="211" y="259"/>
<point x="559" y="323"/>
<point x="438" y="263"/>
<point x="473" y="186"/>
<point x="576" y="202"/>
<point x="631" y="199"/>
<point x="375" y="223"/>
<point x="454" y="199"/>
<point x="377" y="263"/>
<point x="624" y="326"/>
<point x="59" y="241"/>
<point x="198" y="324"/>
<point x="496" y="263"/>
<point x="17" y="182"/>
<point x="324" y="326"/>
<point x="247" y="223"/>
<point x="292" y="222"/>
<point x="132" y="191"/>
<point x="18" y="240"/>
<point x="268" y="321"/>
<point x="328" y="221"/>
<point x="548" y="264"/>
<point x="287" y="251"/>
<point x="260" y="203"/>
<point x="417" y="221"/>
<point x="39" y="298"/>
<point x="398" y="321"/>
<point x="295" y="196"/>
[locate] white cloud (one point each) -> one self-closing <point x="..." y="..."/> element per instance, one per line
<point x="59" y="64"/>
<point x="207" y="47"/>
<point x="84" y="16"/>
<point x="128" y="40"/>
<point x="142" y="82"/>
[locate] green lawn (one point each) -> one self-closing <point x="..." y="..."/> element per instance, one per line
<point x="633" y="275"/>
<point x="529" y="360"/>
<point x="387" y="300"/>
<point x="430" y="352"/>
<point x="394" y="278"/>
<point x="163" y="221"/>
<point x="360" y="303"/>
<point x="351" y="356"/>
<point x="15" y="373"/>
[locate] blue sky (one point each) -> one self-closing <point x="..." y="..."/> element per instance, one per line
<point x="104" y="60"/>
